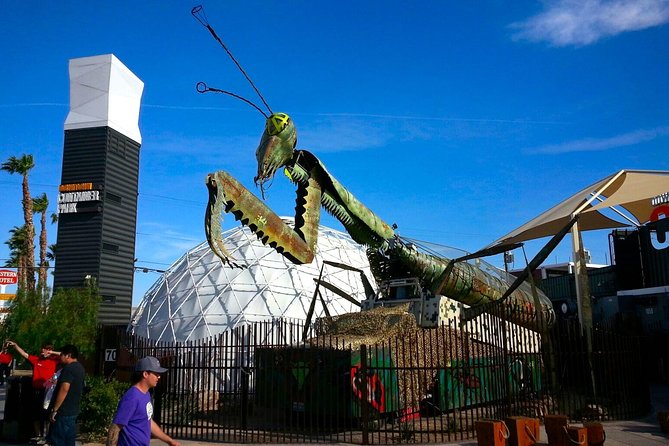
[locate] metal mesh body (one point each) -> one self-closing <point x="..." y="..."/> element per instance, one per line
<point x="198" y="296"/>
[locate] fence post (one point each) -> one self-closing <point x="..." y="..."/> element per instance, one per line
<point x="245" y="395"/>
<point x="244" y="372"/>
<point x="158" y="402"/>
<point x="99" y="349"/>
<point x="507" y="364"/>
<point x="364" y="412"/>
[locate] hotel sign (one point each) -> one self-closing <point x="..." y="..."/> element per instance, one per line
<point x="8" y="277"/>
<point x="78" y="197"/>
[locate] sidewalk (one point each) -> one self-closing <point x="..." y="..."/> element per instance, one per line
<point x="641" y="432"/>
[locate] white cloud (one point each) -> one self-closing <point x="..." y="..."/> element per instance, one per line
<point x="339" y="132"/>
<point x="342" y="134"/>
<point x="582" y="22"/>
<point x="160" y="242"/>
<point x="594" y="144"/>
<point x="171" y="143"/>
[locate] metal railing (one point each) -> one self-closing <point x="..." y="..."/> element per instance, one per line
<point x="261" y="384"/>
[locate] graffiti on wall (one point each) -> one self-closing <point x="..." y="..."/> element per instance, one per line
<point x="378" y="380"/>
<point x="478" y="380"/>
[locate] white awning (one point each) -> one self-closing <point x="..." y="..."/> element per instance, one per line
<point x="631" y="190"/>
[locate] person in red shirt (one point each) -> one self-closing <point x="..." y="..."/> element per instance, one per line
<point x="44" y="367"/>
<point x="5" y="365"/>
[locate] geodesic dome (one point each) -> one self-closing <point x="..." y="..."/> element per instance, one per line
<point x="198" y="296"/>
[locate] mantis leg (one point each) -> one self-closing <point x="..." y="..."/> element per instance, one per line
<point x="226" y="194"/>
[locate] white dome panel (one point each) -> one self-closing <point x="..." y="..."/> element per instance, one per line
<point x="198" y="296"/>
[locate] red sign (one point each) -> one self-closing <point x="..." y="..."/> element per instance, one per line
<point x="8" y="277"/>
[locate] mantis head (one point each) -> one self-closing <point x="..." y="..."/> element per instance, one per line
<point x="276" y="147"/>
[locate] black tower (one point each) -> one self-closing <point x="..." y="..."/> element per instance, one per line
<point x="97" y="201"/>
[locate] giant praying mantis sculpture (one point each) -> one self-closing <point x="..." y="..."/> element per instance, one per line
<point x="317" y="188"/>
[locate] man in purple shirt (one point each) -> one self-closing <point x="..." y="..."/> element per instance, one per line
<point x="133" y="423"/>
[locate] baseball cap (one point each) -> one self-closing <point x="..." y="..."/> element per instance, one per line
<point x="149" y="364"/>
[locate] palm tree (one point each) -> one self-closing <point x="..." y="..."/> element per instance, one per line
<point x="51" y="253"/>
<point x="41" y="205"/>
<point x="17" y="253"/>
<point x="22" y="166"/>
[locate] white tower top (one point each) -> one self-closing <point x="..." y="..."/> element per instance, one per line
<point x="104" y="92"/>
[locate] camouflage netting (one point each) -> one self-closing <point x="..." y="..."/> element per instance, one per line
<point x="414" y="350"/>
<point x="367" y="327"/>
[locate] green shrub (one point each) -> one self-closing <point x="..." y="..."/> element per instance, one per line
<point x="33" y="321"/>
<point x="98" y="405"/>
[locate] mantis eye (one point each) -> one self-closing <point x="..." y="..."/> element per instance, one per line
<point x="276" y="123"/>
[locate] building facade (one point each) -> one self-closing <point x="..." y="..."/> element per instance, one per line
<point x="97" y="202"/>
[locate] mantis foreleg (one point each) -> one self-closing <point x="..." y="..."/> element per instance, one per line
<point x="226" y="194"/>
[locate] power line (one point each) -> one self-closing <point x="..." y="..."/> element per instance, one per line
<point x="144" y="269"/>
<point x="18" y="184"/>
<point x="154" y="263"/>
<point x="170" y="237"/>
<point x="172" y="198"/>
<point x="141" y="194"/>
<point x="138" y="268"/>
<point x="21" y="267"/>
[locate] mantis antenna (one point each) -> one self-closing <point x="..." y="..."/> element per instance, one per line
<point x="201" y="87"/>
<point x="200" y="16"/>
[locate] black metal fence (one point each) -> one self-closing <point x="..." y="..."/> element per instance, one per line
<point x="261" y="384"/>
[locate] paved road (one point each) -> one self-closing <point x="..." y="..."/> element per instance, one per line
<point x="642" y="432"/>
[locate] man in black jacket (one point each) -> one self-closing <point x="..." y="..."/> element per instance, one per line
<point x="65" y="405"/>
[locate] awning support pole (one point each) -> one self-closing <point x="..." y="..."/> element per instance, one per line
<point x="583" y="298"/>
<point x="581" y="278"/>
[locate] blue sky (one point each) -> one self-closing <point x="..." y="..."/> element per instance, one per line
<point x="459" y="121"/>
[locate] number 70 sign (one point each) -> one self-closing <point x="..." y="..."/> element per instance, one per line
<point x="110" y="355"/>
